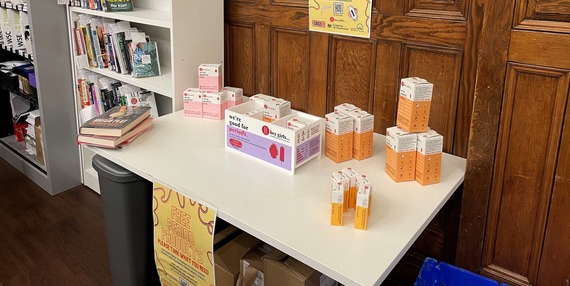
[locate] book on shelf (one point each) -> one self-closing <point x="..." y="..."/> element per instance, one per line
<point x="145" y="62"/>
<point x="119" y="5"/>
<point x="117" y="121"/>
<point x="116" y="141"/>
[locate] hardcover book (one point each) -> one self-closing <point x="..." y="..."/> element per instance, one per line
<point x="116" y="121"/>
<point x="119" y="5"/>
<point x="113" y="141"/>
<point x="145" y="59"/>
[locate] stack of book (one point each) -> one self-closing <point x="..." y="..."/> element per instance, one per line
<point x="116" y="128"/>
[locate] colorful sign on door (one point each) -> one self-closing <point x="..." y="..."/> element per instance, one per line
<point x="343" y="17"/>
<point x="183" y="238"/>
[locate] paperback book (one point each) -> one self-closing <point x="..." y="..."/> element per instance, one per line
<point x="114" y="141"/>
<point x="117" y="121"/>
<point x="119" y="5"/>
<point x="145" y="59"/>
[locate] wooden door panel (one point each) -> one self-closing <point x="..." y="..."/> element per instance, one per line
<point x="533" y="109"/>
<point x="442" y="67"/>
<point x="552" y="10"/>
<point x="420" y="30"/>
<point x="291" y="67"/>
<point x="240" y="56"/>
<point x="526" y="46"/>
<point x="543" y="15"/>
<point x="555" y="264"/>
<point x="351" y="78"/>
<point x="441" y="9"/>
<point x="387" y="85"/>
<point x="291" y="3"/>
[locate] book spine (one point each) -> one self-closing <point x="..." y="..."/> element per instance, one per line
<point x="122" y="52"/>
<point x="101" y="39"/>
<point x="88" y="46"/>
<point x="96" y="46"/>
<point x="110" y="52"/>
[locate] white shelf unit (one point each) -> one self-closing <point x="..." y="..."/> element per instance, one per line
<point x="54" y="84"/>
<point x="188" y="33"/>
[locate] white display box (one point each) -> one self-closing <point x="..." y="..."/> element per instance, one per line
<point x="273" y="142"/>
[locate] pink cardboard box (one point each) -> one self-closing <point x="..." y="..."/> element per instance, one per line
<point x="193" y="102"/>
<point x="214" y="105"/>
<point x="210" y="77"/>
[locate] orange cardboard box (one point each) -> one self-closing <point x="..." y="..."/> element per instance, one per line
<point x="341" y="179"/>
<point x="275" y="108"/>
<point x="363" y="203"/>
<point x="428" y="158"/>
<point x="338" y="137"/>
<point x="400" y="154"/>
<point x="363" y="134"/>
<point x="414" y="104"/>
<point x="337" y="202"/>
<point x="352" y="175"/>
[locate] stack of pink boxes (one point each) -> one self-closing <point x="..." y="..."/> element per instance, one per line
<point x="210" y="99"/>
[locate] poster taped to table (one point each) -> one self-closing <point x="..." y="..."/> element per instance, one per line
<point x="183" y="238"/>
<point x="274" y="143"/>
<point x="346" y="17"/>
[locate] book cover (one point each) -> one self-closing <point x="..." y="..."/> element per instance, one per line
<point x="113" y="141"/>
<point x="116" y="121"/>
<point x="121" y="42"/>
<point x="143" y="98"/>
<point x="145" y="60"/>
<point x="119" y="5"/>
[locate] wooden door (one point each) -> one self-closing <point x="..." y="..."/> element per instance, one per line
<point x="270" y="50"/>
<point x="524" y="195"/>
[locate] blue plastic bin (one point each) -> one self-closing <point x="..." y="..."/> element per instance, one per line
<point x="439" y="274"/>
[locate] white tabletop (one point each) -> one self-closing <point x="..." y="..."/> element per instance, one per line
<point x="291" y="212"/>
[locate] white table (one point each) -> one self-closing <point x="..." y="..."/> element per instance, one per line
<point x="291" y="212"/>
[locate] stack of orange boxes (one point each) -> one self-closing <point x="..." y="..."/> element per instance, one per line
<point x="413" y="151"/>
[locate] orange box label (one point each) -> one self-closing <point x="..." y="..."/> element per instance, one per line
<point x="400" y="166"/>
<point x="337" y="198"/>
<point x="400" y="154"/>
<point x="352" y="175"/>
<point x="338" y="147"/>
<point x="428" y="161"/>
<point x="428" y="168"/>
<point x="413" y="116"/>
<point x="362" y="146"/>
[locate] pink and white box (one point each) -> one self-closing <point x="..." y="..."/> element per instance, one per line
<point x="193" y="102"/>
<point x="214" y="104"/>
<point x="235" y="95"/>
<point x="210" y="77"/>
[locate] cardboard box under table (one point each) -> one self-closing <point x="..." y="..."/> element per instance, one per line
<point x="227" y="258"/>
<point x="273" y="142"/>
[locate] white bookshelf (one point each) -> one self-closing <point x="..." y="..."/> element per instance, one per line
<point x="188" y="33"/>
<point x="61" y="170"/>
<point x="158" y="84"/>
<point x="150" y="17"/>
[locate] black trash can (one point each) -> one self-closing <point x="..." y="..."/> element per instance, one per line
<point x="127" y="211"/>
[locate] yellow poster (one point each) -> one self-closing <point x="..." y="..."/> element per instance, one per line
<point x="183" y="238"/>
<point x="343" y="17"/>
